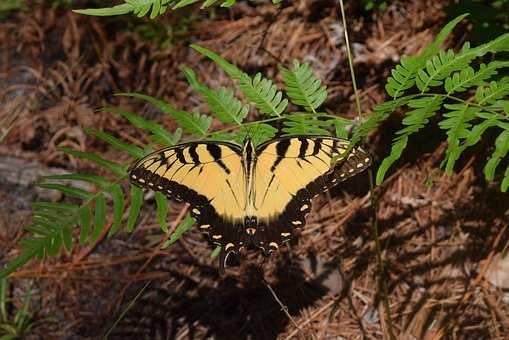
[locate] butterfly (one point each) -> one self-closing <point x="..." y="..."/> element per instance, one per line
<point x="242" y="195"/>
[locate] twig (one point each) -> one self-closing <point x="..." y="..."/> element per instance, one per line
<point x="283" y="307"/>
<point x="311" y="318"/>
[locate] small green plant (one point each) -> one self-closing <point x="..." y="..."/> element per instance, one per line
<point x="19" y="324"/>
<point x="153" y="8"/>
<point x="466" y="95"/>
<point x="101" y="210"/>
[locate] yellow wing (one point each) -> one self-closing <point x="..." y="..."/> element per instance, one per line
<point x="290" y="171"/>
<point x="207" y="175"/>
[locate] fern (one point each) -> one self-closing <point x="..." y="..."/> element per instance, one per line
<point x="428" y="82"/>
<point x="259" y="90"/>
<point x="494" y="91"/>
<point x="223" y="104"/>
<point x="154" y="8"/>
<point x="403" y="75"/>
<point x="468" y="77"/>
<point x="303" y="88"/>
<point x="424" y="109"/>
<point x="305" y="125"/>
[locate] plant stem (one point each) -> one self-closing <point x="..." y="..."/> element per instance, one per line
<point x="374" y="201"/>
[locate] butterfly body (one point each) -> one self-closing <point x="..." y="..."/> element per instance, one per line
<point x="246" y="195"/>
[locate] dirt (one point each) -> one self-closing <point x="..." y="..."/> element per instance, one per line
<point x="438" y="234"/>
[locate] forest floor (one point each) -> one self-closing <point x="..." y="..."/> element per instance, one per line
<point x="441" y="236"/>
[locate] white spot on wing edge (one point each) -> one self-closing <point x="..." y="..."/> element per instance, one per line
<point x="285" y="234"/>
<point x="133" y="176"/>
<point x="304" y="207"/>
<point x="296" y="222"/>
<point x="196" y="211"/>
<point x="205" y="226"/>
<point x="360" y="165"/>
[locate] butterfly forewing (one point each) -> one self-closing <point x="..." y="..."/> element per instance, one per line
<point x="290" y="172"/>
<point x="207" y="175"/>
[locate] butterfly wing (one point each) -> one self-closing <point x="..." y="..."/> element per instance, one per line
<point x="207" y="175"/>
<point x="290" y="171"/>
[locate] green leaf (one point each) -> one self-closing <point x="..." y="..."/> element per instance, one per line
<point x="100" y="216"/>
<point x="457" y="124"/>
<point x="108" y="11"/>
<point x="215" y="253"/>
<point x="416" y="119"/>
<point x="18" y="262"/>
<point x="232" y="70"/>
<point x="131" y="149"/>
<point x="159" y="133"/>
<point x="263" y="93"/>
<point x="94" y="179"/>
<point x="501" y="150"/>
<point x="134" y="211"/>
<point x="184" y="226"/>
<point x="223" y="103"/>
<point x="380" y="113"/>
<point x="117" y="169"/>
<point x="468" y="77"/>
<point x="305" y="125"/>
<point x="139" y="8"/>
<point x="162" y="210"/>
<point x="117" y="196"/>
<point x="490" y="94"/>
<point x="86" y="221"/>
<point x="193" y="123"/>
<point x="342" y="127"/>
<point x="53" y="245"/>
<point x="183" y="3"/>
<point x="403" y="76"/>
<point x="303" y="87"/>
<point x="260" y="91"/>
<point x="505" y="182"/>
<point x="67" y="238"/>
<point x="68" y="190"/>
<point x="259" y="133"/>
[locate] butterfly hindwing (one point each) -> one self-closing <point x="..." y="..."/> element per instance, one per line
<point x="207" y="175"/>
<point x="290" y="171"/>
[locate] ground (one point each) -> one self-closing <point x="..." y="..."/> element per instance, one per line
<point x="440" y="236"/>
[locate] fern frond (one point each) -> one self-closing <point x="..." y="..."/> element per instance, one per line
<point x="139" y="8"/>
<point x="304" y="125"/>
<point x="468" y="77"/>
<point x="457" y="123"/>
<point x="182" y="228"/>
<point x="134" y="211"/>
<point x="222" y="102"/>
<point x="258" y="132"/>
<point x="403" y="75"/>
<point x="303" y="87"/>
<point x="162" y="211"/>
<point x="159" y="133"/>
<point x="501" y="150"/>
<point x="416" y="119"/>
<point x="194" y="123"/>
<point x="262" y="92"/>
<point x="113" y="167"/>
<point x="380" y="113"/>
<point x="441" y="66"/>
<point x="100" y="216"/>
<point x="494" y="91"/>
<point x="132" y="150"/>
